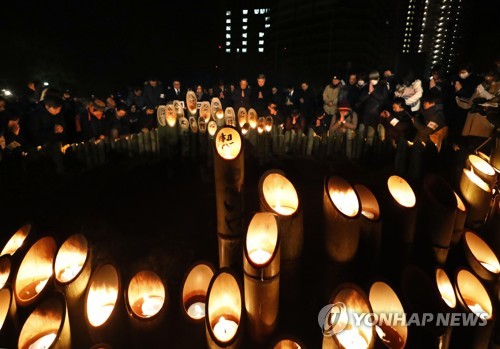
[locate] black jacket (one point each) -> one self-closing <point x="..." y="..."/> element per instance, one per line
<point x="172" y="95"/>
<point x="260" y="104"/>
<point x="40" y="127"/>
<point x="93" y="127"/>
<point x="399" y="125"/>
<point x="429" y="121"/>
<point x="241" y="101"/>
<point x="308" y="104"/>
<point x="370" y="105"/>
<point x="153" y="96"/>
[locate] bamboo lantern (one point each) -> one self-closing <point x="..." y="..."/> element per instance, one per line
<point x="47" y="326"/>
<point x="223" y="320"/>
<point x="370" y="225"/>
<point x="5" y="270"/>
<point x="288" y="342"/>
<point x="242" y="117"/>
<point x="245" y="129"/>
<point x="202" y="125"/>
<point x="179" y="110"/>
<point x="482" y="169"/>
<point x="445" y="288"/>
<point x="35" y="271"/>
<point x="384" y="300"/>
<point x="205" y="111"/>
<point x="230" y="118"/>
<point x="495" y="155"/>
<point x="269" y="124"/>
<point x="72" y="267"/>
<point x="16" y="240"/>
<point x="252" y="118"/>
<point x="212" y="128"/>
<point x="8" y="318"/>
<point x="481" y="257"/>
<point x="261" y="265"/>
<point x="146" y="300"/>
<point x="219" y="118"/>
<point x="102" y="299"/>
<point x="279" y="196"/>
<point x="422" y="295"/>
<point x="477" y="195"/>
<point x="193" y="124"/>
<point x="229" y="169"/>
<point x="437" y="215"/>
<point x="171" y="119"/>
<point x="191" y="103"/>
<point x="261" y="124"/>
<point x="194" y="291"/>
<point x="397" y="237"/>
<point x="461" y="215"/>
<point x="341" y="210"/>
<point x="215" y="106"/>
<point x="474" y="298"/>
<point x="355" y="301"/>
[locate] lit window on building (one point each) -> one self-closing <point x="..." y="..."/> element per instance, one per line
<point x="228" y="13"/>
<point x="261" y="42"/>
<point x="261" y="49"/>
<point x="228" y="21"/>
<point x="267" y="26"/>
<point x="244" y="50"/>
<point x="228" y="28"/>
<point x="245" y="20"/>
<point x="228" y="50"/>
<point x="244" y="35"/>
<point x="244" y="43"/>
<point x="228" y="36"/>
<point x="261" y="34"/>
<point x="245" y="12"/>
<point x="228" y="43"/>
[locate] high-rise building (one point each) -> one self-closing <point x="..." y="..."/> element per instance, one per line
<point x="434" y="28"/>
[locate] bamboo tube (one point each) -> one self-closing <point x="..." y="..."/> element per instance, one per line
<point x="482" y="169"/>
<point x="6" y="270"/>
<point x="47" y="326"/>
<point x="229" y="180"/>
<point x="261" y="265"/>
<point x="461" y="215"/>
<point x="480" y="257"/>
<point x="194" y="291"/>
<point x="224" y="319"/>
<point x="191" y="103"/>
<point x="242" y="117"/>
<point x="341" y="209"/>
<point x="477" y="195"/>
<point x="230" y="118"/>
<point x="279" y="196"/>
<point x="9" y="324"/>
<point x="215" y="106"/>
<point x="147" y="141"/>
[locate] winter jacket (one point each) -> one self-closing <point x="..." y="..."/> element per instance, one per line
<point x="331" y="95"/>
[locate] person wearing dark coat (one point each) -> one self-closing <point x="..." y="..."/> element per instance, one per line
<point x="398" y="122"/>
<point x="430" y="120"/>
<point x="295" y="122"/>
<point x="373" y="99"/>
<point x="120" y="122"/>
<point x="273" y="110"/>
<point x="221" y="92"/>
<point x="307" y="102"/>
<point x="69" y="114"/>
<point x="136" y="97"/>
<point x="241" y="96"/>
<point x="46" y="124"/>
<point x="154" y="95"/>
<point x="176" y="93"/>
<point x="261" y="95"/>
<point x="94" y="123"/>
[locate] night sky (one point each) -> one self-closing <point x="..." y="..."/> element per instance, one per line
<point x="101" y="46"/>
<point x="96" y="45"/>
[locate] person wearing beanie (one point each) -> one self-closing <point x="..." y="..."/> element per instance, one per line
<point x="343" y="127"/>
<point x="331" y="95"/>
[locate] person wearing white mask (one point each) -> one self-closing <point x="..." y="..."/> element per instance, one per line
<point x="374" y="98"/>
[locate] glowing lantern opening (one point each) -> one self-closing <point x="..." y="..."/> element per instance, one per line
<point x="445" y="288"/>
<point x="343" y="196"/>
<point x="280" y="194"/>
<point x="16" y="241"/>
<point x="472" y="294"/>
<point x="228" y="143"/>
<point x="401" y="191"/>
<point x="194" y="291"/>
<point x="146" y="294"/>
<point x="102" y="295"/>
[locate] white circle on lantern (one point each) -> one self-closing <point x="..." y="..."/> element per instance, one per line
<point x="228" y="143"/>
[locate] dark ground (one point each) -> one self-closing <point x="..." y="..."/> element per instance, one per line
<point x="151" y="213"/>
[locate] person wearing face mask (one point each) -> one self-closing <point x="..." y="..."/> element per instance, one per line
<point x="331" y="96"/>
<point x="373" y="99"/>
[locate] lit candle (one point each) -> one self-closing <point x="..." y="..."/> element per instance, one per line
<point x="225" y="330"/>
<point x="368" y="214"/>
<point x="490" y="267"/>
<point x="352" y="339"/>
<point x="196" y="310"/>
<point x="260" y="256"/>
<point x="476" y="308"/>
<point x="68" y="273"/>
<point x="33" y="288"/>
<point x="43" y="342"/>
<point x="148" y="306"/>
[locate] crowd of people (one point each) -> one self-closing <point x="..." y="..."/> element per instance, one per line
<point x="457" y="107"/>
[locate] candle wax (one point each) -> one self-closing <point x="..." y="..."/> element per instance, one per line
<point x="259" y="256"/>
<point x="389" y="336"/>
<point x="148" y="306"/>
<point x="43" y="342"/>
<point x="225" y="330"/>
<point x="352" y="339"/>
<point x="69" y="272"/>
<point x="368" y="214"/>
<point x="32" y="289"/>
<point x="196" y="310"/>
<point x="490" y="267"/>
